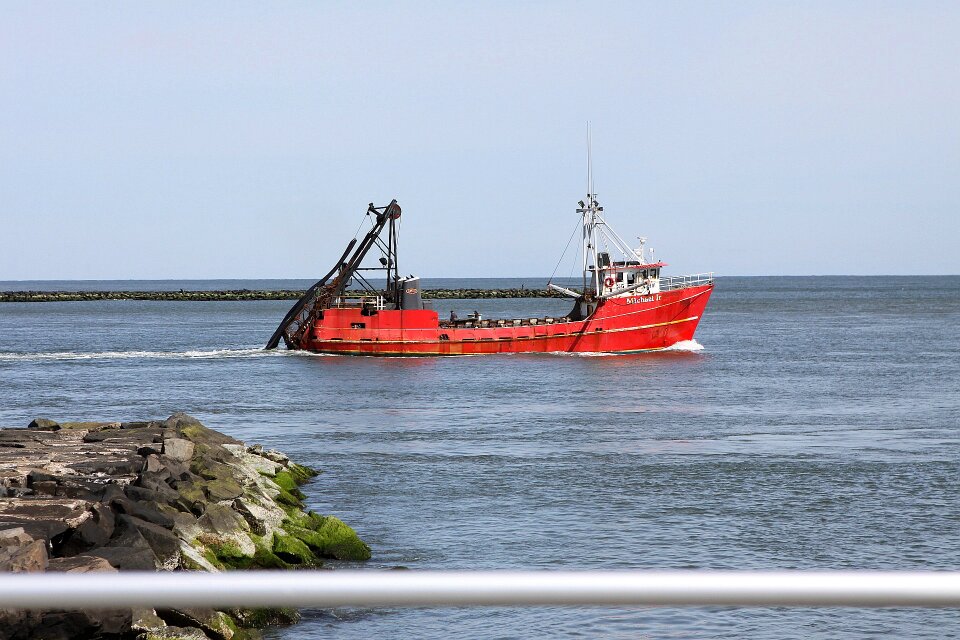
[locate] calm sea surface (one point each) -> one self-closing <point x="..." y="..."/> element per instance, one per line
<point x="819" y="427"/>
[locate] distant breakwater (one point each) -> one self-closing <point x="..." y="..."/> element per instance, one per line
<point x="248" y="294"/>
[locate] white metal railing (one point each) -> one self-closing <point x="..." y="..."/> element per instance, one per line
<point x="483" y="588"/>
<point x="680" y="282"/>
<point x="348" y="301"/>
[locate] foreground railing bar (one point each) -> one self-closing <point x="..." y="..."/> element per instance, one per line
<point x="501" y="588"/>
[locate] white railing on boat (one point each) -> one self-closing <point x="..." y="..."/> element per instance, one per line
<point x="682" y="282"/>
<point x="482" y="588"/>
<point x="348" y="301"/>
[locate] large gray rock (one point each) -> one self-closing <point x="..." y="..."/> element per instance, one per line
<point x="173" y="469"/>
<point x="43" y="519"/>
<point x="215" y="624"/>
<point x="92" y="532"/>
<point x="178" y="449"/>
<point x="125" y="468"/>
<point x="185" y="525"/>
<point x="89" y="623"/>
<point x="152" y="463"/>
<point x="143" y="620"/>
<point x="189" y="427"/>
<point x="43" y="424"/>
<point x="256" y="525"/>
<point x="128" y="558"/>
<point x="35" y="476"/>
<point x="158" y="493"/>
<point x="46" y="488"/>
<point x="80" y="564"/>
<point x="221" y="489"/>
<point x="30" y="558"/>
<point x="221" y="519"/>
<point x="128" y="550"/>
<point x="14" y="537"/>
<point x="164" y="544"/>
<point x="111" y="492"/>
<point x="143" y="510"/>
<point x="173" y="633"/>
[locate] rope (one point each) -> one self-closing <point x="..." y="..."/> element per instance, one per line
<point x="359" y="226"/>
<point x="564" y="253"/>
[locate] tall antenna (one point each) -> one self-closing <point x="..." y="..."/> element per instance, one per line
<point x="589" y="162"/>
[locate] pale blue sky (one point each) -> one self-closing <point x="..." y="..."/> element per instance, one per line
<point x="235" y="140"/>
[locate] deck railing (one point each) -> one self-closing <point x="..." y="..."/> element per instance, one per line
<point x="354" y="301"/>
<point x="484" y="588"/>
<point x="681" y="282"/>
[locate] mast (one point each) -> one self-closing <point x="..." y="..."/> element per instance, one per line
<point x="589" y="161"/>
<point x="586" y="241"/>
<point x="590" y="212"/>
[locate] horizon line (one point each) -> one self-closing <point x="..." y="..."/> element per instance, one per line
<point x="782" y="275"/>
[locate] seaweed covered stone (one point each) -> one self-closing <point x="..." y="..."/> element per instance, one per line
<point x="329" y="537"/>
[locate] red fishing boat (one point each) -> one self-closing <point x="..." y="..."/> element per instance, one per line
<point x="623" y="306"/>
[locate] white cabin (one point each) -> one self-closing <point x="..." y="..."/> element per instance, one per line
<point x="628" y="277"/>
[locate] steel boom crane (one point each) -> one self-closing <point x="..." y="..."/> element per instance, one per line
<point x="318" y="297"/>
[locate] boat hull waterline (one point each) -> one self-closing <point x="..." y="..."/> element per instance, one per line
<point x="625" y="324"/>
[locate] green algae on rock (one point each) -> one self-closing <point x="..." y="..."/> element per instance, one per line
<point x="329" y="537"/>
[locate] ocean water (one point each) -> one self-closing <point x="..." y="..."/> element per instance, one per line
<point x="815" y="424"/>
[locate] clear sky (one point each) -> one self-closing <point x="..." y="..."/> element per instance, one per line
<point x="244" y="140"/>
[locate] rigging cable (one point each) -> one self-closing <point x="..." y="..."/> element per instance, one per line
<point x="359" y="226"/>
<point x="564" y="252"/>
<point x="573" y="265"/>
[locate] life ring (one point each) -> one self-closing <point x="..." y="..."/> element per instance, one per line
<point x="608" y="282"/>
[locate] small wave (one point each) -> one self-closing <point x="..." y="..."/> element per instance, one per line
<point x="685" y="345"/>
<point x="256" y="352"/>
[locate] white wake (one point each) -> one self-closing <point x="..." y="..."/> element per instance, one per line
<point x="685" y="345"/>
<point x="255" y="352"/>
<point x="252" y="352"/>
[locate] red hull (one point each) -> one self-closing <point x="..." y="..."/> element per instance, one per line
<point x="618" y="325"/>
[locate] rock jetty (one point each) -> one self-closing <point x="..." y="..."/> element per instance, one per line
<point x="246" y="294"/>
<point x="478" y="294"/>
<point x="165" y="495"/>
<point x="185" y="296"/>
